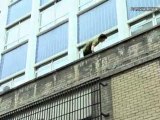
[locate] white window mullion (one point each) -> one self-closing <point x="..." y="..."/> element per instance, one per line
<point x="123" y="28"/>
<point x="54" y="14"/>
<point x="18" y="34"/>
<point x="40" y="20"/>
<point x="6" y="39"/>
<point x="154" y="22"/>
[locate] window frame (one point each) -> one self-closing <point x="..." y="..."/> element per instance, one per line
<point x="57" y="55"/>
<point x="50" y="3"/>
<point x="141" y="16"/>
<point x="90" y="5"/>
<point x="154" y="15"/>
<point x="13" y="2"/>
<point x="50" y="61"/>
<point x="18" y="41"/>
<point x="83" y="11"/>
<point x="11" y="81"/>
<point x="27" y="15"/>
<point x="16" y="73"/>
<point x="54" y="21"/>
<point x="42" y="6"/>
<point x="139" y="23"/>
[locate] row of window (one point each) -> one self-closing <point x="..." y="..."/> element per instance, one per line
<point x="59" y="11"/>
<point x="48" y="44"/>
<point x="145" y="23"/>
<point x="19" y="8"/>
<point x="54" y="14"/>
<point x="17" y="33"/>
<point x="137" y="7"/>
<point x="98" y="15"/>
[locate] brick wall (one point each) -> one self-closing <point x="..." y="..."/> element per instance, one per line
<point x="136" y="93"/>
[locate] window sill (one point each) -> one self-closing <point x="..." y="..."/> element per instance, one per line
<point x="48" y="4"/>
<point x="28" y="15"/>
<point x="52" y="27"/>
<point x="90" y="6"/>
<point x="14" y="47"/>
<point x="56" y="56"/>
<point x="145" y="14"/>
<point x="12" y="3"/>
<point x="7" y="79"/>
<point x="79" y="45"/>
<point x="54" y="23"/>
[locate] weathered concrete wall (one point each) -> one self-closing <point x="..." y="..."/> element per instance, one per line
<point x="129" y="53"/>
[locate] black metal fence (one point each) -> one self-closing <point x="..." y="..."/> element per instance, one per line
<point x="79" y="103"/>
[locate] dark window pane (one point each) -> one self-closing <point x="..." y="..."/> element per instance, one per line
<point x="18" y="10"/>
<point x="14" y="61"/>
<point x="52" y="42"/>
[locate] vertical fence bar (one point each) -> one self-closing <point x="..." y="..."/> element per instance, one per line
<point x="80" y="103"/>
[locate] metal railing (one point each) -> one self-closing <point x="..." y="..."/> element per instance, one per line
<point x="80" y="103"/>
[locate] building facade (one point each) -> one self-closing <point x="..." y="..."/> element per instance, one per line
<point x="43" y="75"/>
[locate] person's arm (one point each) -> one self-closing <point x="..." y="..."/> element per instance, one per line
<point x="92" y="47"/>
<point x="94" y="44"/>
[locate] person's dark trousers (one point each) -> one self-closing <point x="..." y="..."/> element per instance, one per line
<point x="85" y="53"/>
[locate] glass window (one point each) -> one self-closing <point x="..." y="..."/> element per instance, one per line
<point x="24" y="29"/>
<point x="14" y="61"/>
<point x="12" y="36"/>
<point x="137" y="7"/>
<point x="60" y="62"/>
<point x="17" y="33"/>
<point x="54" y="14"/>
<point x="52" y="42"/>
<point x="14" y="82"/>
<point x="42" y="2"/>
<point x="19" y="80"/>
<point x="43" y="69"/>
<point x="141" y="25"/>
<point x="97" y="20"/>
<point x="18" y="10"/>
<point x="47" y="16"/>
<point x="52" y="65"/>
<point x="86" y="3"/>
<point x="62" y="9"/>
<point x="12" y="1"/>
